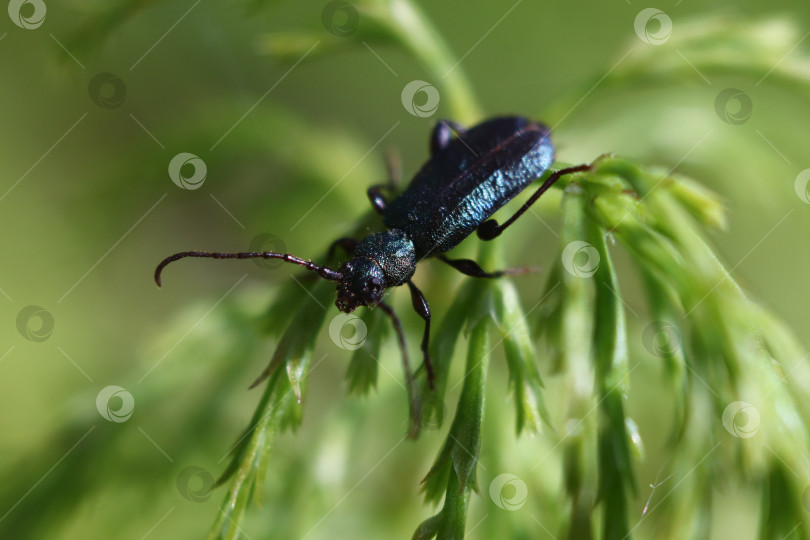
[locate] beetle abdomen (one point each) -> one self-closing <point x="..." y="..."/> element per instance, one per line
<point x="465" y="183"/>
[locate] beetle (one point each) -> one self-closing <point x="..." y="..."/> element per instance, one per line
<point x="467" y="178"/>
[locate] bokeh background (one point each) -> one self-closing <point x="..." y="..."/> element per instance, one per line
<point x="98" y="98"/>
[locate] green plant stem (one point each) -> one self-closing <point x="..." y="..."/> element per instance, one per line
<point x="466" y="435"/>
<point x="422" y="40"/>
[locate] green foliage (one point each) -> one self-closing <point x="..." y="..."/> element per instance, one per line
<point x="657" y="218"/>
<point x="566" y="361"/>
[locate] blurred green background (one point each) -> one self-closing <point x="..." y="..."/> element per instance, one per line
<point x="88" y="209"/>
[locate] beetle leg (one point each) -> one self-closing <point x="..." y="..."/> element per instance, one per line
<point x="414" y="406"/>
<point x="422" y="309"/>
<point x="347" y="244"/>
<point x="442" y="133"/>
<point x="377" y="199"/>
<point x="471" y="268"/>
<point x="375" y="192"/>
<point x="490" y="228"/>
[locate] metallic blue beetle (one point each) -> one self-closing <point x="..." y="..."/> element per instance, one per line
<point x="467" y="179"/>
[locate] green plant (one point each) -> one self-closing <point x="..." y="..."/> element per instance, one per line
<point x="724" y="377"/>
<point x="732" y="349"/>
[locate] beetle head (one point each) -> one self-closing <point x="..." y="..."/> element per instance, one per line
<point x="362" y="284"/>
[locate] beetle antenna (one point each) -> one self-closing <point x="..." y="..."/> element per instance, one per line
<point x="324" y="272"/>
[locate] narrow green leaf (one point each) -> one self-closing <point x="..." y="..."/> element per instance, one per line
<point x="244" y="468"/>
<point x="454" y="513"/>
<point x="616" y="477"/>
<point x="364" y="365"/>
<point x="466" y="430"/>
<point x="783" y="515"/>
<point x="521" y="359"/>
<point x="428" y="528"/>
<point x="279" y="408"/>
<point x="456" y="462"/>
